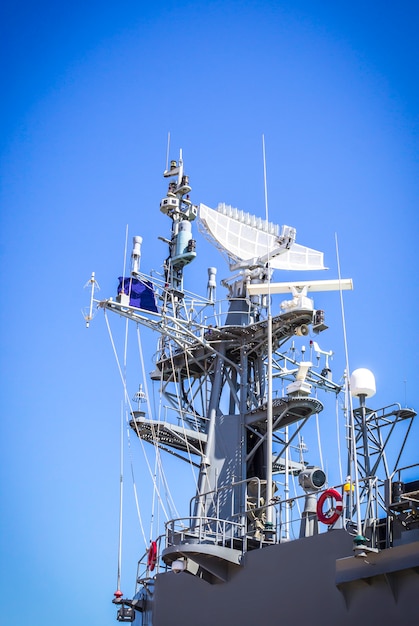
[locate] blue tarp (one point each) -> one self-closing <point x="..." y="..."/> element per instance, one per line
<point x="141" y="293"/>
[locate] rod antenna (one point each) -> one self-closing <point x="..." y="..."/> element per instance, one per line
<point x="121" y="497"/>
<point x="351" y="414"/>
<point x="167" y="151"/>
<point x="269" y="413"/>
<point x="265" y="185"/>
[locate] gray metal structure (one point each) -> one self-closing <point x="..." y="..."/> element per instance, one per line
<point x="235" y="397"/>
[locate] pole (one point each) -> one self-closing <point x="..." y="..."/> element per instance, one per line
<point x="269" y="511"/>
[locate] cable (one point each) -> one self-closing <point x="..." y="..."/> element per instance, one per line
<point x="351" y="414"/>
<point x="338" y="441"/>
<point x="121" y="489"/>
<point x="131" y="410"/>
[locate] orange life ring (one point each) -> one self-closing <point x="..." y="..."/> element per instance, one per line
<point x="152" y="556"/>
<point x="330" y="519"/>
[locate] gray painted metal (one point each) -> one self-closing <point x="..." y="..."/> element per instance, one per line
<point x="314" y="581"/>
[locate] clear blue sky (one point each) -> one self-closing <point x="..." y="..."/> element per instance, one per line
<point x="89" y="92"/>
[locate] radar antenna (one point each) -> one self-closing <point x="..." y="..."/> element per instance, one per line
<point x="247" y="238"/>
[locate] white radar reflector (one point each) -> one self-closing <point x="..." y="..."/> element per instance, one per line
<point x="248" y="238"/>
<point x="362" y="383"/>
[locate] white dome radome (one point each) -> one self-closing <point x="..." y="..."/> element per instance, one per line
<point x="362" y="383"/>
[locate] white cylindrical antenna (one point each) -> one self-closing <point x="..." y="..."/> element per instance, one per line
<point x="180" y="176"/>
<point x="212" y="283"/>
<point x="136" y="254"/>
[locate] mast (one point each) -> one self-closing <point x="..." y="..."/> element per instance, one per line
<point x="269" y="431"/>
<point x="233" y="394"/>
<point x="178" y="207"/>
<point x="216" y="375"/>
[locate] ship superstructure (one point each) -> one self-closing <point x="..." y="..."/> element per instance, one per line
<point x="238" y="402"/>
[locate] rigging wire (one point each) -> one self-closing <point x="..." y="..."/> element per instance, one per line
<point x="155" y="439"/>
<point x="131" y="410"/>
<point x="155" y="436"/>
<point x="176" y="383"/>
<point x="338" y="440"/>
<point x="155" y="491"/>
<point x="121" y="492"/>
<point x="134" y="484"/>
<point x="319" y="441"/>
<point x="158" y="468"/>
<point x="169" y="497"/>
<point x="351" y="414"/>
<point x="121" y="454"/>
<point x="195" y="421"/>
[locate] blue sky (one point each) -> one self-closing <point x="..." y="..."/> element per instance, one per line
<point x="89" y="95"/>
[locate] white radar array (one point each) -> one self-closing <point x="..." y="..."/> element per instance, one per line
<point x="247" y="240"/>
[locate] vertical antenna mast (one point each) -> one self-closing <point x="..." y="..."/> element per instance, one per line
<point x="167" y="150"/>
<point x="350" y="408"/>
<point x="92" y="282"/>
<point x="269" y="511"/>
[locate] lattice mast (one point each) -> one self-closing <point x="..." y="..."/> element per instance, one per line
<point x="182" y="246"/>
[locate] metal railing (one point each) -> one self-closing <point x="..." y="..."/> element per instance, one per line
<point x="245" y="529"/>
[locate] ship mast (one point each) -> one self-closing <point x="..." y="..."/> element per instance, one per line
<point x="179" y="208"/>
<point x="216" y="374"/>
<point x="269" y="511"/>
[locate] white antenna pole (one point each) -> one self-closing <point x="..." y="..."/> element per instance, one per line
<point x="351" y="414"/>
<point x="180" y="175"/>
<point x="265" y="185"/>
<point x="125" y="259"/>
<point x="89" y="317"/>
<point x="121" y="492"/>
<point x="125" y="251"/>
<point x="167" y="151"/>
<point x="269" y="511"/>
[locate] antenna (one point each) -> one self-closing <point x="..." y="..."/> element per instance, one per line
<point x="121" y="498"/>
<point x="246" y="238"/>
<point x="167" y="150"/>
<point x="269" y="411"/>
<point x="125" y="259"/>
<point x="351" y="414"/>
<point x="125" y="251"/>
<point x="93" y="283"/>
<point x="264" y="180"/>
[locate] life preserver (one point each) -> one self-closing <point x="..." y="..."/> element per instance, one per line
<point x="152" y="556"/>
<point x="338" y="508"/>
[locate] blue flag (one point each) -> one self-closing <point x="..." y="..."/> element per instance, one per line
<point x="141" y="293"/>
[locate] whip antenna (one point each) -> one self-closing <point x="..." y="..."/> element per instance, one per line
<point x="118" y="593"/>
<point x="351" y="414"/>
<point x="269" y="414"/>
<point x="167" y="151"/>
